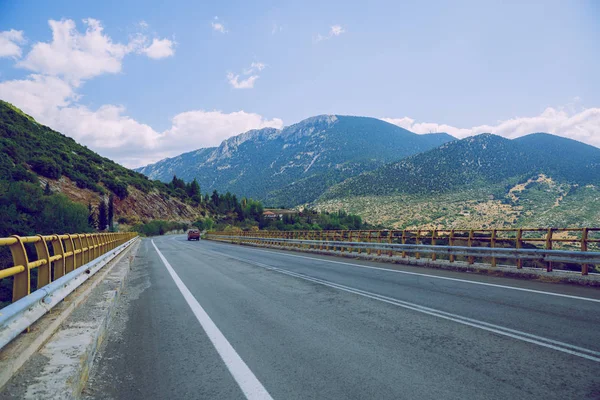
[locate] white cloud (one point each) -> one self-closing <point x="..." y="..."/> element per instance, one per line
<point x="111" y="132"/>
<point x="160" y="48"/>
<point x="201" y="128"/>
<point x="38" y="95"/>
<point x="334" y="30"/>
<point x="255" y="67"/>
<point x="71" y="57"/>
<point x="10" y="43"/>
<point x="582" y="125"/>
<point x="77" y="56"/>
<point x="236" y="83"/>
<point x="116" y="135"/>
<point x="248" y="83"/>
<point x="218" y="26"/>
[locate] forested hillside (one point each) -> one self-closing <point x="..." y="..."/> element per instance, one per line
<point x="33" y="155"/>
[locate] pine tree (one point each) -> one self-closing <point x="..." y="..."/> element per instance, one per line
<point x="47" y="190"/>
<point x="92" y="222"/>
<point x="111" y="211"/>
<point x="215" y="198"/>
<point x="194" y="188"/>
<point x="102" y="215"/>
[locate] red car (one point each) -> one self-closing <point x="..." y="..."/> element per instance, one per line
<point x="193" y="234"/>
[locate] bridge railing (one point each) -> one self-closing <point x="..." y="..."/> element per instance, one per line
<point x="53" y="256"/>
<point x="445" y="244"/>
<point x="59" y="263"/>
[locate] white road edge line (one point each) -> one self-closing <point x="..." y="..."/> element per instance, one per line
<point x="437" y="277"/>
<point x="244" y="377"/>
<point x="523" y="336"/>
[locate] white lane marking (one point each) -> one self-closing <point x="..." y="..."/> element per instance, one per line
<point x="512" y="333"/>
<point x="437" y="277"/>
<point x="242" y="374"/>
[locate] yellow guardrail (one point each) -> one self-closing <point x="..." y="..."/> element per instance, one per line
<point x="55" y="256"/>
<point x="582" y="239"/>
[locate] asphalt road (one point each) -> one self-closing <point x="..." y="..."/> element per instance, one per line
<point x="221" y="321"/>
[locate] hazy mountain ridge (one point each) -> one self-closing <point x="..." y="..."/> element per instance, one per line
<point x="297" y="163"/>
<point x="478" y="161"/>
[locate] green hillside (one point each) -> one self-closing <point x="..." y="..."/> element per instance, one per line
<point x="26" y="147"/>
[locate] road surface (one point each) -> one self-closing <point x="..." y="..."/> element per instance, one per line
<point x="219" y="321"/>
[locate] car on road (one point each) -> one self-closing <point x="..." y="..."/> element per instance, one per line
<point x="193" y="234"/>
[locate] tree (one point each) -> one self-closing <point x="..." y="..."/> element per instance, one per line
<point x="102" y="215"/>
<point x="92" y="221"/>
<point x="111" y="210"/>
<point x="177" y="183"/>
<point x="214" y="199"/>
<point x="47" y="190"/>
<point x="193" y="189"/>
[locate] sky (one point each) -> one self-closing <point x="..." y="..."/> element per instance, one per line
<point x="138" y="81"/>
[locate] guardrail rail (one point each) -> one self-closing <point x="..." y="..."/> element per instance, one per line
<point x="60" y="263"/>
<point x="54" y="256"/>
<point x="533" y="247"/>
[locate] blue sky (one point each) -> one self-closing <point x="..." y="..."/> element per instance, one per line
<point x="462" y="67"/>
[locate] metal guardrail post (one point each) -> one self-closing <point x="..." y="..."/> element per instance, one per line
<point x="96" y="245"/>
<point x="41" y="249"/>
<point x="86" y="248"/>
<point x="403" y="242"/>
<point x="21" y="281"/>
<point x="549" y="247"/>
<point x="470" y="243"/>
<point x="519" y="244"/>
<point x="451" y="243"/>
<point x="584" y="237"/>
<point x="78" y="250"/>
<point x="492" y="245"/>
<point x="417" y="240"/>
<point x="58" y="250"/>
<point x="70" y="262"/>
<point x="433" y="236"/>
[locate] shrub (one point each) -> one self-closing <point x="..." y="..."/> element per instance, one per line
<point x="46" y="167"/>
<point x="117" y="187"/>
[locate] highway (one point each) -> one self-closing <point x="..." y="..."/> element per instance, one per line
<point x="209" y="320"/>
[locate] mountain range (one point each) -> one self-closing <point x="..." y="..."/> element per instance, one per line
<point x="394" y="177"/>
<point x="479" y="161"/>
<point x="366" y="166"/>
<point x="298" y="163"/>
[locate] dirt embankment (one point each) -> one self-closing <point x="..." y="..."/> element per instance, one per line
<point x="138" y="206"/>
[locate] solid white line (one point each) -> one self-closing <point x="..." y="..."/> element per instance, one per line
<point x="242" y="374"/>
<point x="437" y="277"/>
<point x="512" y="333"/>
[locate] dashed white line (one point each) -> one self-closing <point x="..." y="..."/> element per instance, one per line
<point x="578" y="351"/>
<point x="244" y="377"/>
<point x="437" y="277"/>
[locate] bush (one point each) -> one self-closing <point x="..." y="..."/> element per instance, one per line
<point x="117" y="187"/>
<point x="46" y="167"/>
